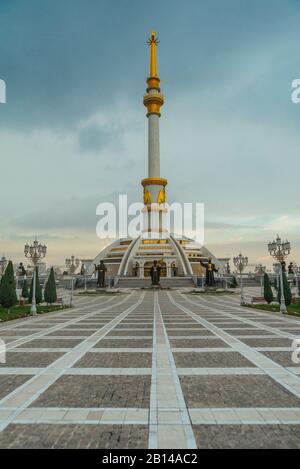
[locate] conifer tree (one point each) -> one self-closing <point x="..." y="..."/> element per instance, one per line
<point x="268" y="293"/>
<point x="50" y="288"/>
<point x="8" y="295"/>
<point x="38" y="289"/>
<point x="286" y="290"/>
<point x="25" y="292"/>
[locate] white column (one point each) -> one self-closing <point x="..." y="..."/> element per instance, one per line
<point x="153" y="146"/>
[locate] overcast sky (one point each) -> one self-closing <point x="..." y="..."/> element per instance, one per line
<point x="73" y="132"/>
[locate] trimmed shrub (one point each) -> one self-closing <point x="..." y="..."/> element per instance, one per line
<point x="8" y="295"/>
<point x="268" y="293"/>
<point x="50" y="288"/>
<point x="38" y="289"/>
<point x="25" y="292"/>
<point x="286" y="291"/>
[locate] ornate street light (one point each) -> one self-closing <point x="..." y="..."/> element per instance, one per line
<point x="3" y="264"/>
<point x="296" y="269"/>
<point x="280" y="250"/>
<point x="35" y="252"/>
<point x="72" y="264"/>
<point x="260" y="270"/>
<point x="240" y="262"/>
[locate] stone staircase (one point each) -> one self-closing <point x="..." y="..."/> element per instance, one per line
<point x="173" y="282"/>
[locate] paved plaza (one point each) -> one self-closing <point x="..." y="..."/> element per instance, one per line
<point x="147" y="369"/>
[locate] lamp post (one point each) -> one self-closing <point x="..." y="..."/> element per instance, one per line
<point x="240" y="263"/>
<point x="296" y="268"/>
<point x="72" y="264"/>
<point x="3" y="264"/>
<point x="260" y="269"/>
<point x="35" y="252"/>
<point x="280" y="250"/>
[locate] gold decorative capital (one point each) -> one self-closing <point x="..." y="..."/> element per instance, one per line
<point x="154" y="182"/>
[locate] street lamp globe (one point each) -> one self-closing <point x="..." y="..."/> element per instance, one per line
<point x="279" y="250"/>
<point x="3" y="264"/>
<point x="240" y="262"/>
<point x="34" y="252"/>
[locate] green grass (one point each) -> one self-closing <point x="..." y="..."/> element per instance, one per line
<point x="23" y="311"/>
<point x="293" y="310"/>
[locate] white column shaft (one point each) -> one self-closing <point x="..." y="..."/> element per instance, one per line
<point x="153" y="146"/>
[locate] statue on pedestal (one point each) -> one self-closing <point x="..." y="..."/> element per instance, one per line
<point x="136" y="269"/>
<point x="210" y="269"/>
<point x="155" y="273"/>
<point x="101" y="269"/>
<point x="21" y="270"/>
<point x="291" y="268"/>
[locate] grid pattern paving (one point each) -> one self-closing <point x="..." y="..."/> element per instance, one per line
<point x="149" y="369"/>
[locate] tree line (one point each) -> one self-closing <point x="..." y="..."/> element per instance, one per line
<point x="8" y="294"/>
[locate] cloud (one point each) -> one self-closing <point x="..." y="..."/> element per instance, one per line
<point x="93" y="138"/>
<point x="229" y="226"/>
<point x="284" y="224"/>
<point x="74" y="132"/>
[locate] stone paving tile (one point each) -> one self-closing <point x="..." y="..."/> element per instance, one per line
<point x="97" y="391"/>
<point x="203" y="332"/>
<point x="115" y="360"/>
<point x="36" y="326"/>
<point x="131" y="332"/>
<point x="182" y="327"/>
<point x="230" y="324"/>
<point x="42" y="436"/>
<point x="133" y="343"/>
<point x="269" y="323"/>
<point x="121" y="325"/>
<point x="9" y="383"/>
<point x="295" y="332"/>
<point x="15" y="332"/>
<point x="250" y="332"/>
<point x="214" y="360"/>
<point x="247" y="436"/>
<point x="235" y="391"/>
<point x="7" y="340"/>
<point x="197" y="343"/>
<point x="178" y="323"/>
<point x="133" y="323"/>
<point x="282" y="358"/>
<point x="276" y="342"/>
<point x="86" y="326"/>
<point x="41" y="359"/>
<point x="51" y="343"/>
<point x="65" y="332"/>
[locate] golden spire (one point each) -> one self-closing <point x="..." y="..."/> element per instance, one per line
<point x="153" y="100"/>
<point x="153" y="41"/>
